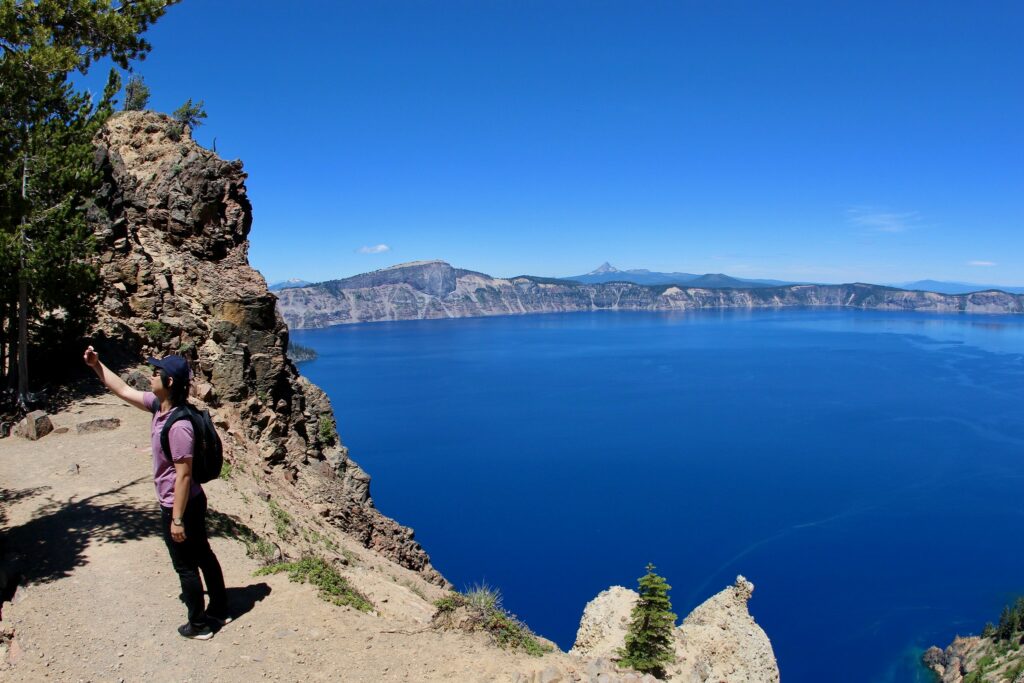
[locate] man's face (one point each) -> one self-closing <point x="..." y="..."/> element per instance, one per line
<point x="156" y="382"/>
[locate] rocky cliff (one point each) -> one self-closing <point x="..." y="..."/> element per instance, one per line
<point x="172" y="233"/>
<point x="719" y="641"/>
<point x="434" y="289"/>
<point x="978" y="659"/>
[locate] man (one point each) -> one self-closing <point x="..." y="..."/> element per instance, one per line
<point x="182" y="500"/>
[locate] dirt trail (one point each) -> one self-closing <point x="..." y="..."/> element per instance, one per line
<point x="98" y="600"/>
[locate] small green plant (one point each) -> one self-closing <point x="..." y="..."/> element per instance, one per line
<point x="325" y="431"/>
<point x="649" y="640"/>
<point x="314" y="536"/>
<point x="320" y="573"/>
<point x="483" y="597"/>
<point x="225" y="471"/>
<point x="282" y="520"/>
<point x="157" y="331"/>
<point x="450" y="602"/>
<point x="486" y="612"/>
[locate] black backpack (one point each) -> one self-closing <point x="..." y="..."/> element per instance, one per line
<point x="208" y="452"/>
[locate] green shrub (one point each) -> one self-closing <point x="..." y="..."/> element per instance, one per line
<point x="649" y="641"/>
<point x="483" y="603"/>
<point x="325" y="431"/>
<point x="225" y="470"/>
<point x="282" y="520"/>
<point x="157" y="331"/>
<point x="484" y="598"/>
<point x="319" y="572"/>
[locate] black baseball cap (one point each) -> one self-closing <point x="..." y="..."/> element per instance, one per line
<point x="175" y="366"/>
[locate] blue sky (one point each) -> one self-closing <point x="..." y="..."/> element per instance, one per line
<point x="825" y="141"/>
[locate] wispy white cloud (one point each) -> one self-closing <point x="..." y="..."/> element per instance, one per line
<point x="375" y="249"/>
<point x="883" y="221"/>
<point x="981" y="264"/>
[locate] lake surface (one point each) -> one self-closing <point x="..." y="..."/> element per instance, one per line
<point x="863" y="469"/>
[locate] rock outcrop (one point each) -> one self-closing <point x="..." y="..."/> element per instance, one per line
<point x="604" y="623"/>
<point x="171" y="227"/>
<point x="977" y="658"/>
<point x="719" y="641"/>
<point x="434" y="289"/>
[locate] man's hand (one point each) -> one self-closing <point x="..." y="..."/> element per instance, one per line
<point x="113" y="382"/>
<point x="177" y="533"/>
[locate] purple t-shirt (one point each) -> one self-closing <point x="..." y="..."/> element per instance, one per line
<point x="180" y="440"/>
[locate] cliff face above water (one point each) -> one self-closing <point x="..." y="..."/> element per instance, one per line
<point x="434" y="289"/>
<point x="172" y="247"/>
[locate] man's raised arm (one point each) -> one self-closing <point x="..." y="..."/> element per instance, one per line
<point x="110" y="380"/>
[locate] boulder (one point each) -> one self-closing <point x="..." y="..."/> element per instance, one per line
<point x="36" y="425"/>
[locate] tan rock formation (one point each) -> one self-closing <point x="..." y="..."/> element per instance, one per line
<point x="173" y="255"/>
<point x="604" y="624"/>
<point x="719" y="641"/>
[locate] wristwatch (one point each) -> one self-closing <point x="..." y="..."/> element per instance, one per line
<point x="177" y="521"/>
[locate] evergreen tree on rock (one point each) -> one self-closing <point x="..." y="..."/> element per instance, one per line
<point x="136" y="94"/>
<point x="650" y="642"/>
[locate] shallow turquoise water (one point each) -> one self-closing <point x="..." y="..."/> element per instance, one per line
<point x="863" y="469"/>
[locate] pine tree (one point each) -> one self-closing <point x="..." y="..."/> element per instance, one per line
<point x="47" y="178"/>
<point x="650" y="640"/>
<point x="136" y="94"/>
<point x="190" y="115"/>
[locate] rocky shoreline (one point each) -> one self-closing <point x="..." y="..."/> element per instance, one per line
<point x="434" y="289"/>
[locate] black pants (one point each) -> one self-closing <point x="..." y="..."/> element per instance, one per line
<point x="193" y="555"/>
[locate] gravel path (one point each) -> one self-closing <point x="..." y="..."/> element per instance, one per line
<point x="98" y="600"/>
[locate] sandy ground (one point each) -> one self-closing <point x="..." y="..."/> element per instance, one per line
<point x="98" y="600"/>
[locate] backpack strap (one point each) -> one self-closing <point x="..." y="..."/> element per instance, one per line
<point x="179" y="413"/>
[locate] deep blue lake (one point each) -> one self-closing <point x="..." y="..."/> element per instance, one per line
<point x="863" y="469"/>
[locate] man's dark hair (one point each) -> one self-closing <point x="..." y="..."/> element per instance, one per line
<point x="179" y="391"/>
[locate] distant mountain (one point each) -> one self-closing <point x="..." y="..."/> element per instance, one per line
<point x="606" y="272"/>
<point x="434" y="289"/>
<point x="294" y="282"/>
<point x="956" y="287"/>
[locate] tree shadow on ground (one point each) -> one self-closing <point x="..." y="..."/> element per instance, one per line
<point x="9" y="497"/>
<point x="53" y="543"/>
